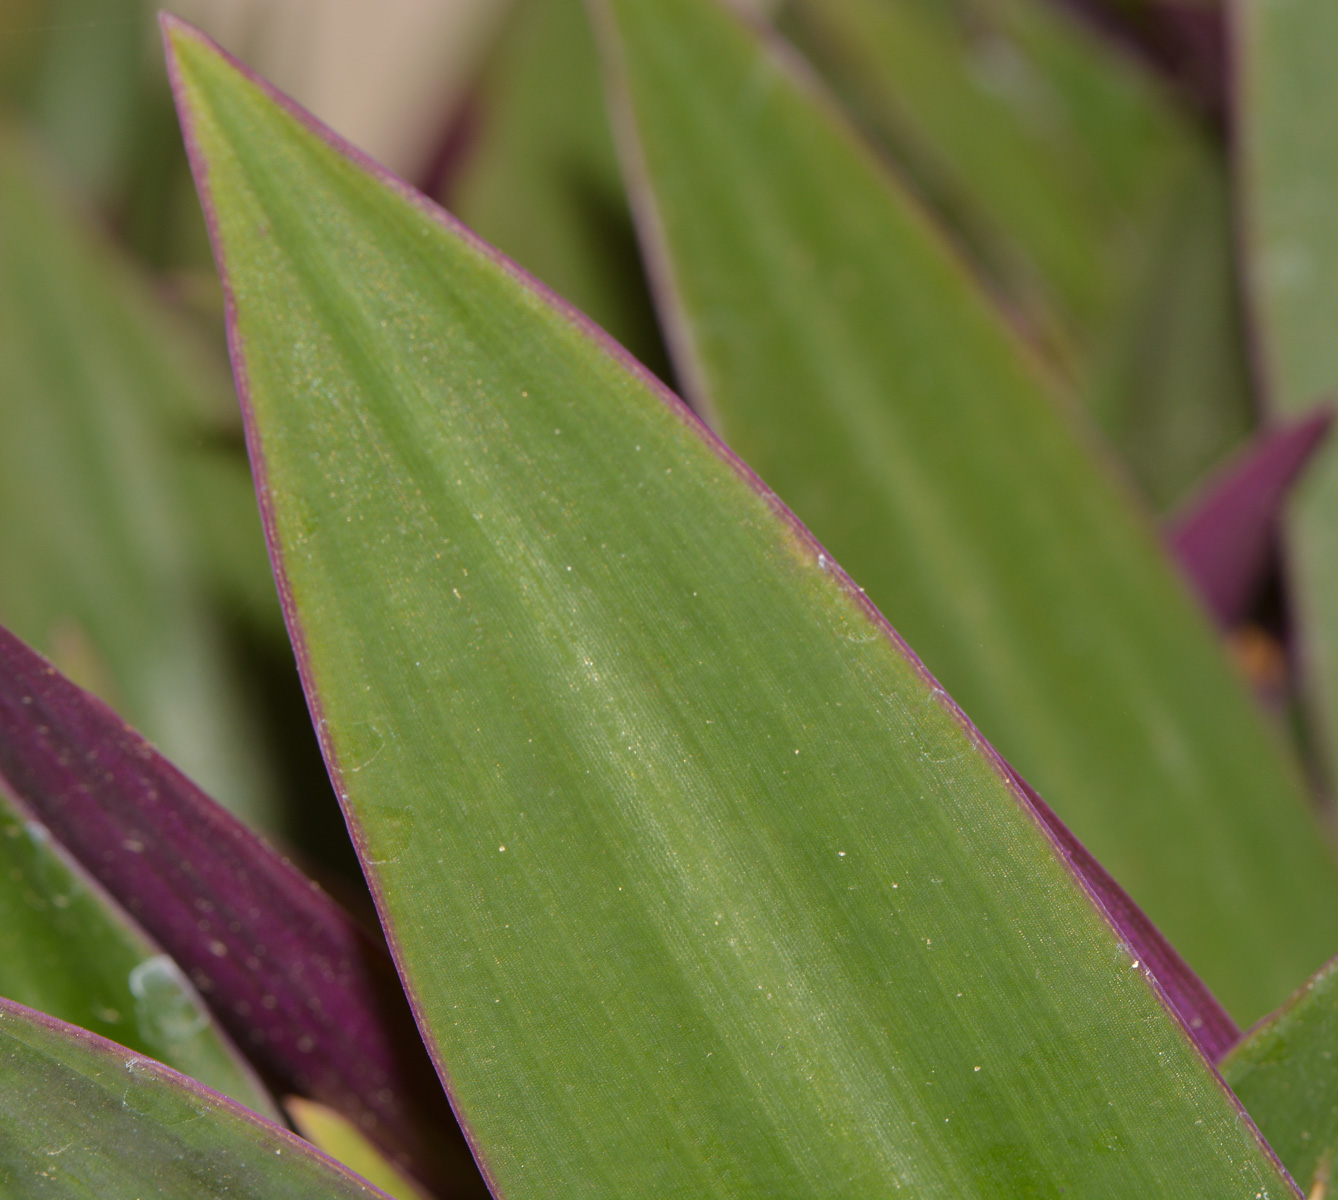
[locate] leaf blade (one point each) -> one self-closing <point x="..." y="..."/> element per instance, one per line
<point x="855" y="365"/>
<point x="68" y="950"/>
<point x="1286" y="167"/>
<point x="513" y="661"/>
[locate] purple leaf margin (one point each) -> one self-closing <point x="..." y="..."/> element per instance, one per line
<point x="307" y="994"/>
<point x="1204" y="1019"/>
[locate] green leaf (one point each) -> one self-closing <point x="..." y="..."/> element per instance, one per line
<point x="1171" y="387"/>
<point x="1043" y="173"/>
<point x="847" y="357"/>
<point x="701" y="886"/>
<point x="542" y="181"/>
<point x="106" y="410"/>
<point x="1288" y="155"/>
<point x="85" y="1119"/>
<point x="1285" y="1074"/>
<point x="1084" y="193"/>
<point x="68" y="950"/>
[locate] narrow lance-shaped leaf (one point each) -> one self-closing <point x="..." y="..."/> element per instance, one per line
<point x="701" y="886"/>
<point x="1223" y="536"/>
<point x="67" y="949"/>
<point x="1287" y="151"/>
<point x="304" y="990"/>
<point x="1286" y="1074"/>
<point x="82" y="1117"/>
<point x="848" y="358"/>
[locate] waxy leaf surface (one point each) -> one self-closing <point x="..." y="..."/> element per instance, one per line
<point x="84" y="1119"/>
<point x="310" y="995"/>
<point x="846" y="356"/>
<point x="68" y="950"/>
<point x="700" y="885"/>
<point x="1287" y="95"/>
<point x="1286" y="1074"/>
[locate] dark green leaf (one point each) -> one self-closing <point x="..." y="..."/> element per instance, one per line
<point x="106" y="405"/>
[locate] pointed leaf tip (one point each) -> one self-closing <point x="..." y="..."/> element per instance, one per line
<point x="1223" y="536"/>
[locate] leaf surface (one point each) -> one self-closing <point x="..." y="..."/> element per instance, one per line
<point x="85" y="1119"/>
<point x="1287" y="152"/>
<point x="1286" y="1075"/>
<point x="700" y="885"/>
<point x="846" y="356"/>
<point x="309" y="994"/>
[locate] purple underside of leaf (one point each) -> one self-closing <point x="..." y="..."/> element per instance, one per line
<point x="1184" y="40"/>
<point x="307" y="994"/>
<point x="1185" y="993"/>
<point x="1224" y="536"/>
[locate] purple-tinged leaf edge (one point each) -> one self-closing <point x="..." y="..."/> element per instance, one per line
<point x="1184" y="41"/>
<point x="1100" y="889"/>
<point x="306" y="993"/>
<point x="1224" y="536"/>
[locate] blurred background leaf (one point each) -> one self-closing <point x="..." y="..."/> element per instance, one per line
<point x="839" y="347"/>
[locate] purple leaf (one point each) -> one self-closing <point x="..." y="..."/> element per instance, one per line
<point x="1223" y="537"/>
<point x="1185" y="40"/>
<point x="308" y="995"/>
<point x="1185" y="993"/>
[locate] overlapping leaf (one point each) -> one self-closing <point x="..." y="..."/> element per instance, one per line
<point x="1286" y="1074"/>
<point x="308" y="993"/>
<point x="68" y="950"/>
<point x="846" y="356"/>
<point x="81" y="1117"/>
<point x="1083" y="192"/>
<point x="701" y="886"/>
